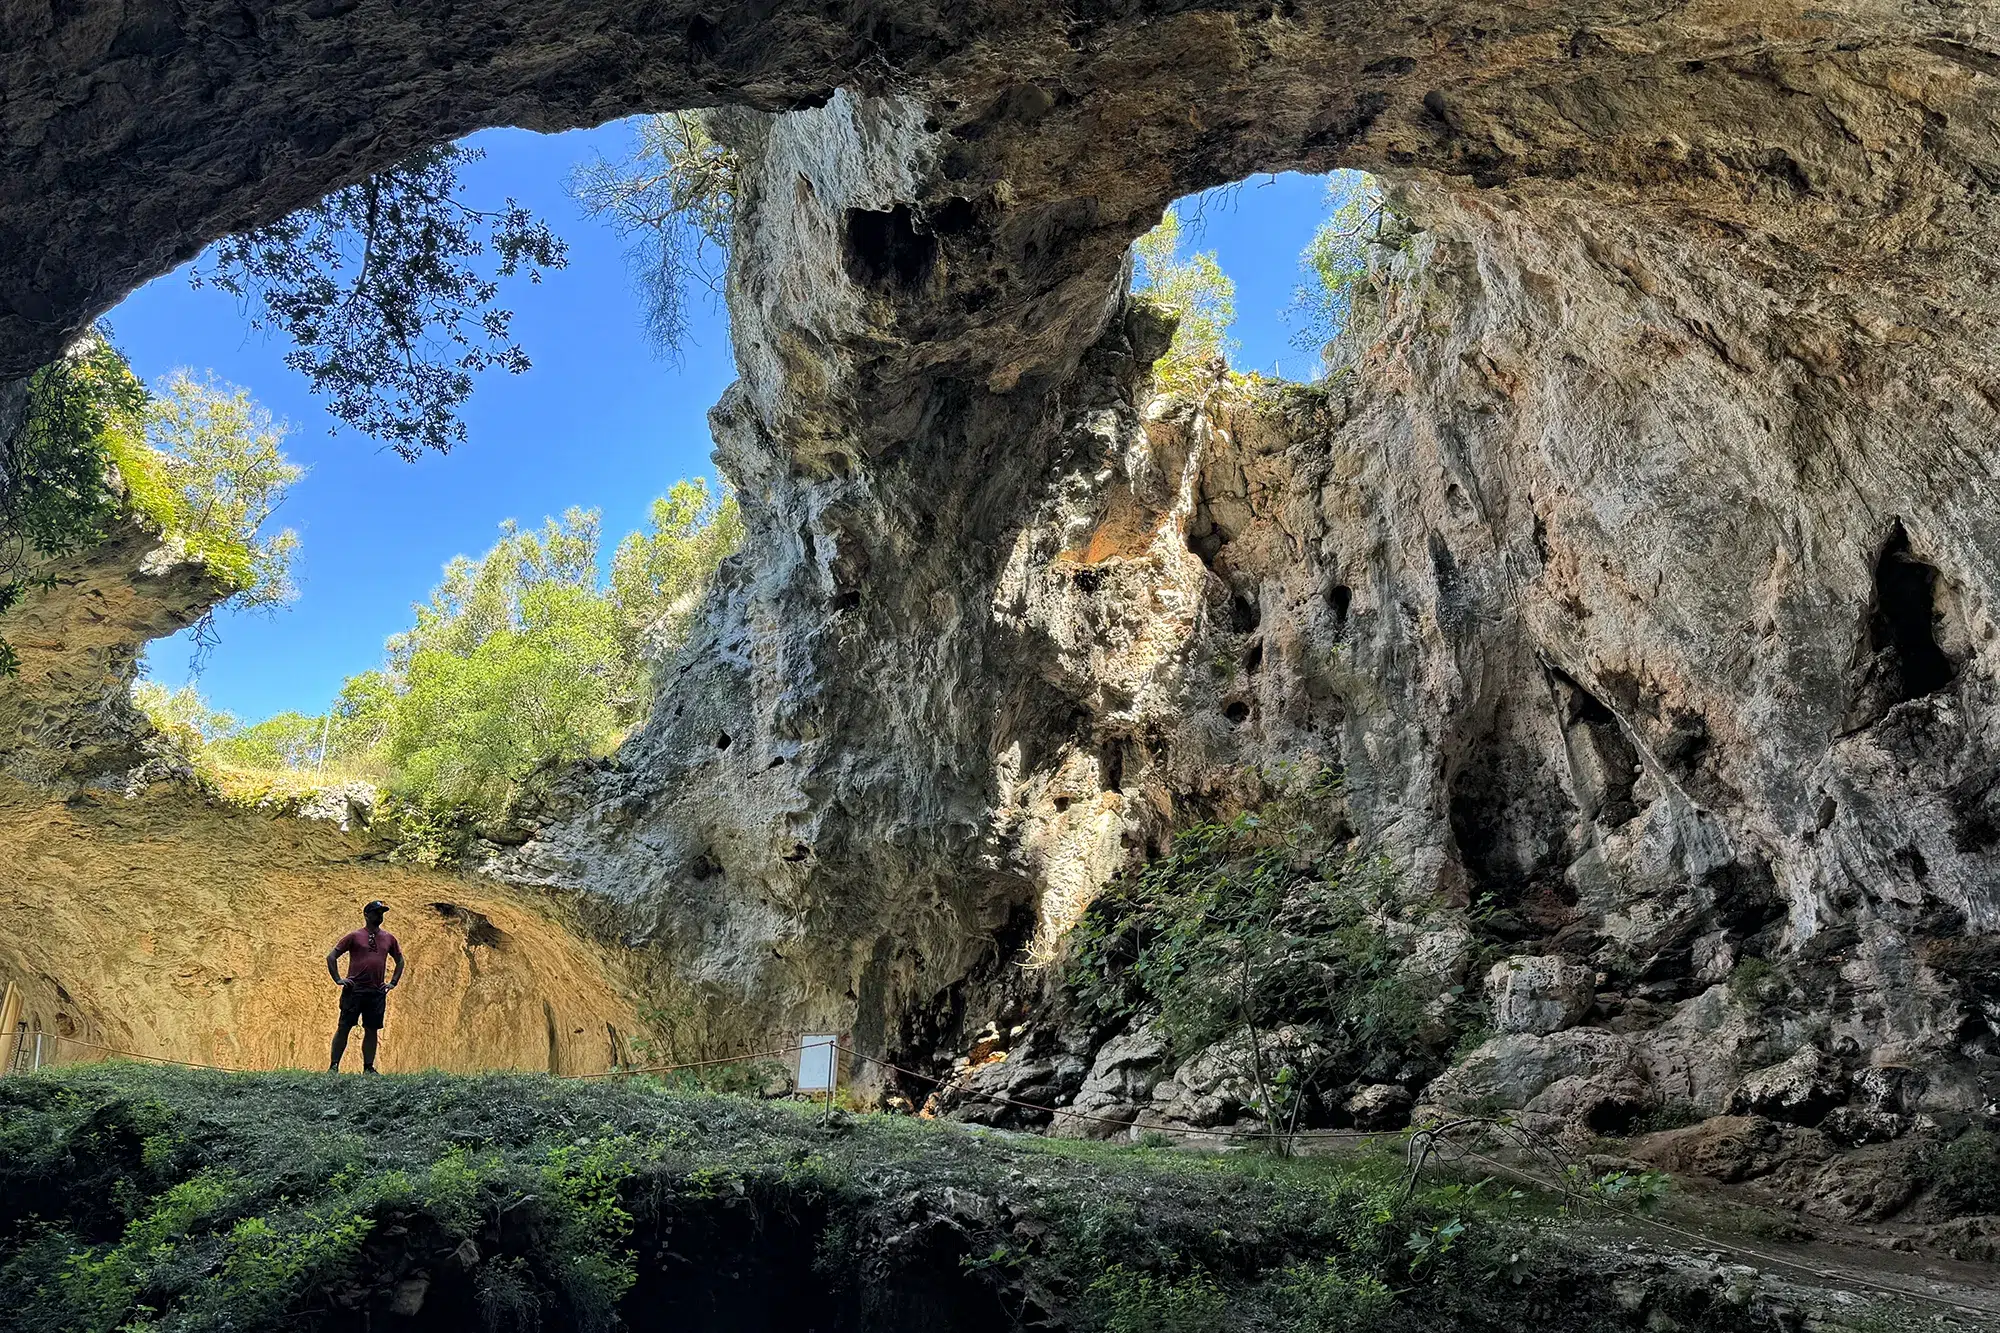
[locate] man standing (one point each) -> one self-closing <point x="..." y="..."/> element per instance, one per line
<point x="363" y="994"/>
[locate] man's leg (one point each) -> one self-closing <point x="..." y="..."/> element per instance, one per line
<point x="340" y="1043"/>
<point x="371" y="1029"/>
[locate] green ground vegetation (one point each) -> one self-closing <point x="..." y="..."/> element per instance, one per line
<point x="142" y="1200"/>
<point x="528" y="657"/>
<point x="1963" y="1173"/>
<point x="199" y="460"/>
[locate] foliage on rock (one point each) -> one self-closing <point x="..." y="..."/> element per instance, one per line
<point x="1199" y="295"/>
<point x="1254" y="935"/>
<point x="200" y="461"/>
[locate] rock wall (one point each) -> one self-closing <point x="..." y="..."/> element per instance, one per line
<point x="66" y="715"/>
<point x="1635" y="572"/>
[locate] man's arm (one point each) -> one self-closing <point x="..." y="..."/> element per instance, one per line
<point x="332" y="969"/>
<point x="396" y="952"/>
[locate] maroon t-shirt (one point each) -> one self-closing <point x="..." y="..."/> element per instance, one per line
<point x="368" y="954"/>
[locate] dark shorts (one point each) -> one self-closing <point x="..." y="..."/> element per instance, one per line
<point x="363" y="1006"/>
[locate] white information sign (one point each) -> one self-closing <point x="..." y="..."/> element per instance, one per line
<point x="816" y="1062"/>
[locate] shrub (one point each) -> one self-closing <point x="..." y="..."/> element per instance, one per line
<point x="1123" y="1301"/>
<point x="82" y="418"/>
<point x="1328" y="1298"/>
<point x="1964" y="1174"/>
<point x="1249" y="928"/>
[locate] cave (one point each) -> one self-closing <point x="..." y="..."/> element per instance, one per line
<point x="1665" y="320"/>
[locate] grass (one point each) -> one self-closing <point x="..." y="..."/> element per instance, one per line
<point x="138" y="1200"/>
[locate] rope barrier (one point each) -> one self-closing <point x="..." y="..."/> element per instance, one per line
<point x="60" y="1040"/>
<point x="616" y="1071"/>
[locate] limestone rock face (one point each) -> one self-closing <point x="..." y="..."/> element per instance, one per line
<point x="66" y="716"/>
<point x="1628" y="565"/>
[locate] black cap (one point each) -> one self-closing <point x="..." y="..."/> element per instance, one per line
<point x="377" y="906"/>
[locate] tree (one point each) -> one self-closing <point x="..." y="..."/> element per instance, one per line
<point x="1336" y="259"/>
<point x="56" y="496"/>
<point x="183" y="715"/>
<point x="658" y="577"/>
<point x="520" y="660"/>
<point x="469" y="729"/>
<point x="672" y="199"/>
<point x="1196" y="290"/>
<point x="220" y="454"/>
<point x="381" y="287"/>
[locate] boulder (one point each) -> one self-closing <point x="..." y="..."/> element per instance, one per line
<point x="1379" y="1106"/>
<point x="1539" y="994"/>
<point x="1800" y="1089"/>
<point x="1510" y="1071"/>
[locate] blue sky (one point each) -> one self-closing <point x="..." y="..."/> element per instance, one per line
<point x="599" y="421"/>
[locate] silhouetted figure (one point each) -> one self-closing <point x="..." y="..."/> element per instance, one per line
<point x="364" y="996"/>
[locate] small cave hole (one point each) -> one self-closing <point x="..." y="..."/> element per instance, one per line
<point x="1111" y="764"/>
<point x="1243" y="614"/>
<point x="883" y="248"/>
<point x="1902" y="658"/>
<point x="722" y="741"/>
<point x="777" y="761"/>
<point x="479" y="929"/>
<point x="798" y="853"/>
<point x="1062" y="803"/>
<point x="1087" y="580"/>
<point x="1904" y="621"/>
<point x="1340" y="598"/>
<point x="1253" y="661"/>
<point x="1238" y="713"/>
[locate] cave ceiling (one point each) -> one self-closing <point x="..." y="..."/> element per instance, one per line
<point x="1813" y="139"/>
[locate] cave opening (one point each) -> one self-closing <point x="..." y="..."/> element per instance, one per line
<point x="1904" y="654"/>
<point x="1903" y="622"/>
<point x="886" y="248"/>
